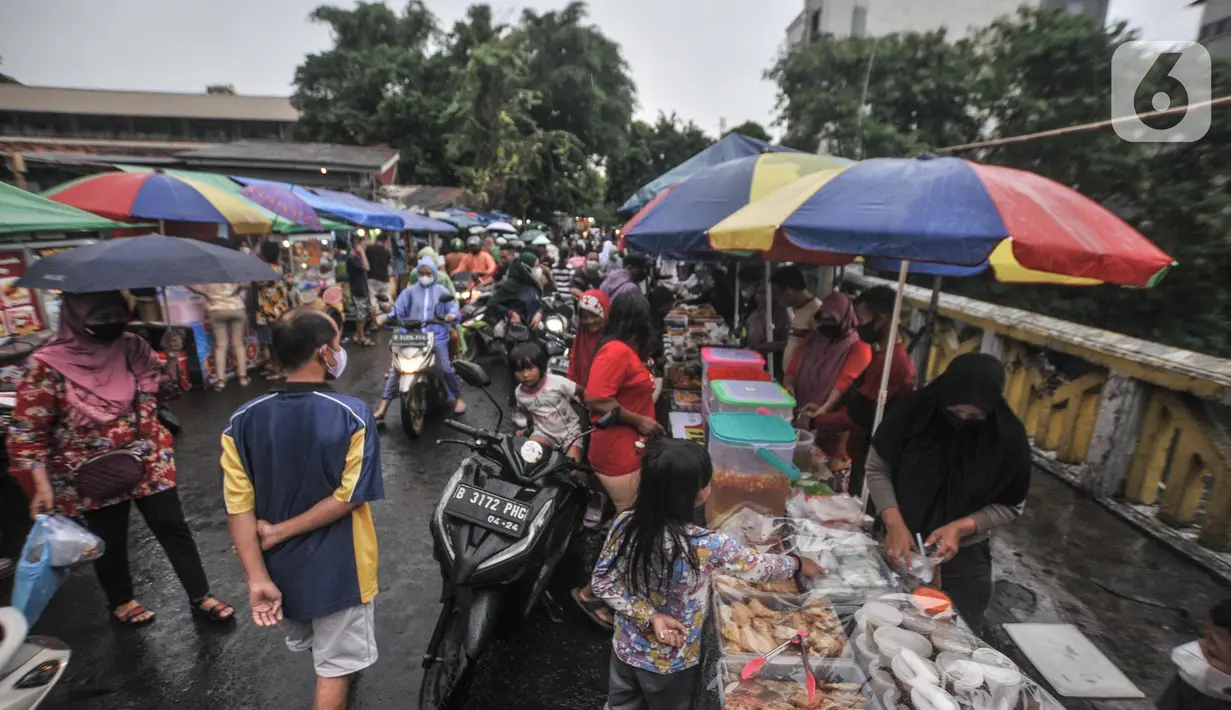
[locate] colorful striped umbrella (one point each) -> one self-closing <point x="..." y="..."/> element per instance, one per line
<point x="1027" y="228"/>
<point x="156" y="195"/>
<point x="283" y="203"/>
<point x="677" y="219"/>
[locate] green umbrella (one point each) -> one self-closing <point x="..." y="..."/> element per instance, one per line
<point x="22" y="211"/>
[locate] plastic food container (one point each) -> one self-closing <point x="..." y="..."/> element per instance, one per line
<point x="803" y="449"/>
<point x="839" y="684"/>
<point x="750" y="453"/>
<point x="751" y="397"/>
<point x="955" y="640"/>
<point x="732" y="357"/>
<point x="687" y="401"/>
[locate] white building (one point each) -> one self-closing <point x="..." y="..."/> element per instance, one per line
<point x="874" y="18"/>
<point x="1216" y="26"/>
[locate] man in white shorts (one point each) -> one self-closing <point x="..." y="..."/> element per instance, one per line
<point x="300" y="465"/>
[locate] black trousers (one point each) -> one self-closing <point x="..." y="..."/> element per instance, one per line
<point x="630" y="688"/>
<point x="165" y="517"/>
<point x="967" y="579"/>
<point x="14" y="516"/>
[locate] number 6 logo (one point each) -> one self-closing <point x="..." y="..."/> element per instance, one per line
<point x="1131" y="64"/>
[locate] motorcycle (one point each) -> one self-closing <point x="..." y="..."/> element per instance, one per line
<point x="503" y="522"/>
<point x="420" y="378"/>
<point x="30" y="666"/>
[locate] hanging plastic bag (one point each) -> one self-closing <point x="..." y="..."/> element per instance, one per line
<point x="36" y="580"/>
<point x="70" y="544"/>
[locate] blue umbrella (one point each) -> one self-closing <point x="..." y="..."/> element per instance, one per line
<point x="144" y="262"/>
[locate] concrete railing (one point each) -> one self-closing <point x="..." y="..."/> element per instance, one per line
<point x="1128" y="419"/>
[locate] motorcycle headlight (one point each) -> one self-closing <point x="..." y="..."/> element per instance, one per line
<point x="464" y="296"/>
<point x="439" y="516"/>
<point x="409" y="365"/>
<point x="555" y="324"/>
<point x="40" y="675"/>
<point x="508" y="553"/>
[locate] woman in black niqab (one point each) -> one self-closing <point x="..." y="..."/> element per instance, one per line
<point x="959" y="461"/>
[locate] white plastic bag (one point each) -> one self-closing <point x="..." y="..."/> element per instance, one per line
<point x="69" y="544"/>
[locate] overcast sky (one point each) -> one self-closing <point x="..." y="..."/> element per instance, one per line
<point x="702" y="59"/>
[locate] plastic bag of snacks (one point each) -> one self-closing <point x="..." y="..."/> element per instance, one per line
<point x="918" y="653"/>
<point x="851" y="559"/>
<point x="760" y="530"/>
<point x="754" y="623"/>
<point x="834" y="511"/>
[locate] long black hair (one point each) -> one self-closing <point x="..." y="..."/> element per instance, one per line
<point x="630" y="323"/>
<point x="655" y="535"/>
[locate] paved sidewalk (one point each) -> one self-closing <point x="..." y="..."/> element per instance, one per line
<point x="1069" y="560"/>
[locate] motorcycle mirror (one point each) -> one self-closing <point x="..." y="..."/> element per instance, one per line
<point x="608" y="419"/>
<point x="472" y="374"/>
<point x="446" y="297"/>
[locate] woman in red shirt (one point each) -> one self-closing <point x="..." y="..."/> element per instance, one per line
<point x="619" y="379"/>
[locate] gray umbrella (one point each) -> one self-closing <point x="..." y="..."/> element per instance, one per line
<point x="144" y="262"/>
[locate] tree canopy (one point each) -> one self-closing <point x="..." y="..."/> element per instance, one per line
<point x="752" y="129"/>
<point x="648" y="151"/>
<point x="1031" y="72"/>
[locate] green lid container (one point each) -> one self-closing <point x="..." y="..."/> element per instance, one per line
<point x="747" y="429"/>
<point x="741" y="393"/>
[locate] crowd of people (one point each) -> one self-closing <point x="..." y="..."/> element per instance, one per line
<point x="301" y="463"/>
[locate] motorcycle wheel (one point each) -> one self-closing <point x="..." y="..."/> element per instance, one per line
<point x="414" y="411"/>
<point x="473" y="342"/>
<point x="446" y="682"/>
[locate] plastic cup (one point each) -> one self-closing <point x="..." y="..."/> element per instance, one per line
<point x="890" y="640"/>
<point x="963" y="677"/>
<point x="882" y="682"/>
<point x="919" y="623"/>
<point x="868" y="653"/>
<point x="880" y="614"/>
<point x="951" y="638"/>
<point x="1001" y="675"/>
<point x="905" y="672"/>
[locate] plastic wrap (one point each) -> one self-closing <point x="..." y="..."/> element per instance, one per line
<point x="918" y="653"/>
<point x="854" y="569"/>
<point x="837" y="511"/>
<point x="68" y="543"/>
<point x="753" y="623"/>
<point x="760" y="530"/>
<point x="839" y="686"/>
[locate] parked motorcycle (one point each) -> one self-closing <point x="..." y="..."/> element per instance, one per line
<point x="503" y="522"/>
<point x="420" y="377"/>
<point x="30" y="666"/>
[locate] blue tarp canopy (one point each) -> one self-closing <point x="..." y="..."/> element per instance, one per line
<point x="355" y="210"/>
<point x="732" y="146"/>
<point x="414" y="222"/>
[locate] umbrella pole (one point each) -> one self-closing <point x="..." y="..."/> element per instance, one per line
<point x="769" y="323"/>
<point x="735" y="282"/>
<point x="883" y="395"/>
<point x="933" y="326"/>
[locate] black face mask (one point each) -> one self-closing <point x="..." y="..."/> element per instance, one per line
<point x="833" y="331"/>
<point x="868" y="332"/>
<point x="106" y="332"/>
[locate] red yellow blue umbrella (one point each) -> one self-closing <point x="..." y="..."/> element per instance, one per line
<point x="156" y="195"/>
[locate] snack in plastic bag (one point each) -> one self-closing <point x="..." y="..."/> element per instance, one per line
<point x="831" y="510"/>
<point x="839" y="686"/>
<point x="36" y="580"/>
<point x="69" y="544"/>
<point x="756" y="623"/>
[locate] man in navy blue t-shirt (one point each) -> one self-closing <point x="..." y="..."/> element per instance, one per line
<point x="300" y="465"/>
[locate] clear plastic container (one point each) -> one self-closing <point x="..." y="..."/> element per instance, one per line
<point x="750" y="397"/>
<point x="838" y="685"/>
<point x="730" y="356"/>
<point x="750" y="453"/>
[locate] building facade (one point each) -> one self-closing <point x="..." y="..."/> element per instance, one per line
<point x="1215" y="32"/>
<point x="152" y="123"/>
<point x="875" y="18"/>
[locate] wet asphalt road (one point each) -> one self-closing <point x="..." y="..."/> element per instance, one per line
<point x="1066" y="560"/>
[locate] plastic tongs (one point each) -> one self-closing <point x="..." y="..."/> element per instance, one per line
<point x="755" y="665"/>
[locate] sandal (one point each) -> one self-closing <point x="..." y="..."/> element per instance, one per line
<point x="129" y="618"/>
<point x="594" y="609"/>
<point x="220" y="613"/>
<point x="244" y="382"/>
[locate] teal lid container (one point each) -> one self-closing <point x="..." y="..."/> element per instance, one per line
<point x="746" y="429"/>
<point x="751" y="395"/>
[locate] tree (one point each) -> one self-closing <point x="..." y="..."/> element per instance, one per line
<point x="752" y="129"/>
<point x="227" y="89"/>
<point x="381" y="83"/>
<point x="649" y="151"/>
<point x="918" y="91"/>
<point x="580" y="75"/>
<point x="5" y="78"/>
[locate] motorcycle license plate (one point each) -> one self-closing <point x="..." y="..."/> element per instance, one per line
<point x="410" y="338"/>
<point x="493" y="512"/>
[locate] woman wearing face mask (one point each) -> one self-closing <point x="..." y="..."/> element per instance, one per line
<point x="592" y="310"/>
<point x="421" y="301"/>
<point x="86" y="434"/>
<point x="826" y="363"/>
<point x="951" y="463"/>
<point x="519" y="297"/>
<point x="1203" y="681"/>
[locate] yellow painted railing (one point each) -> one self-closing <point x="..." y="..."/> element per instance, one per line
<point x="1132" y="419"/>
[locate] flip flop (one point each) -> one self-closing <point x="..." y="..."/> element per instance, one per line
<point x="591" y="609"/>
<point x="128" y="618"/>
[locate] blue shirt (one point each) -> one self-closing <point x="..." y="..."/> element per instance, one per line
<point x="283" y="453"/>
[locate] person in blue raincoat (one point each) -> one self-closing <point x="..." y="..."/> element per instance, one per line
<point x="421" y="301"/>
